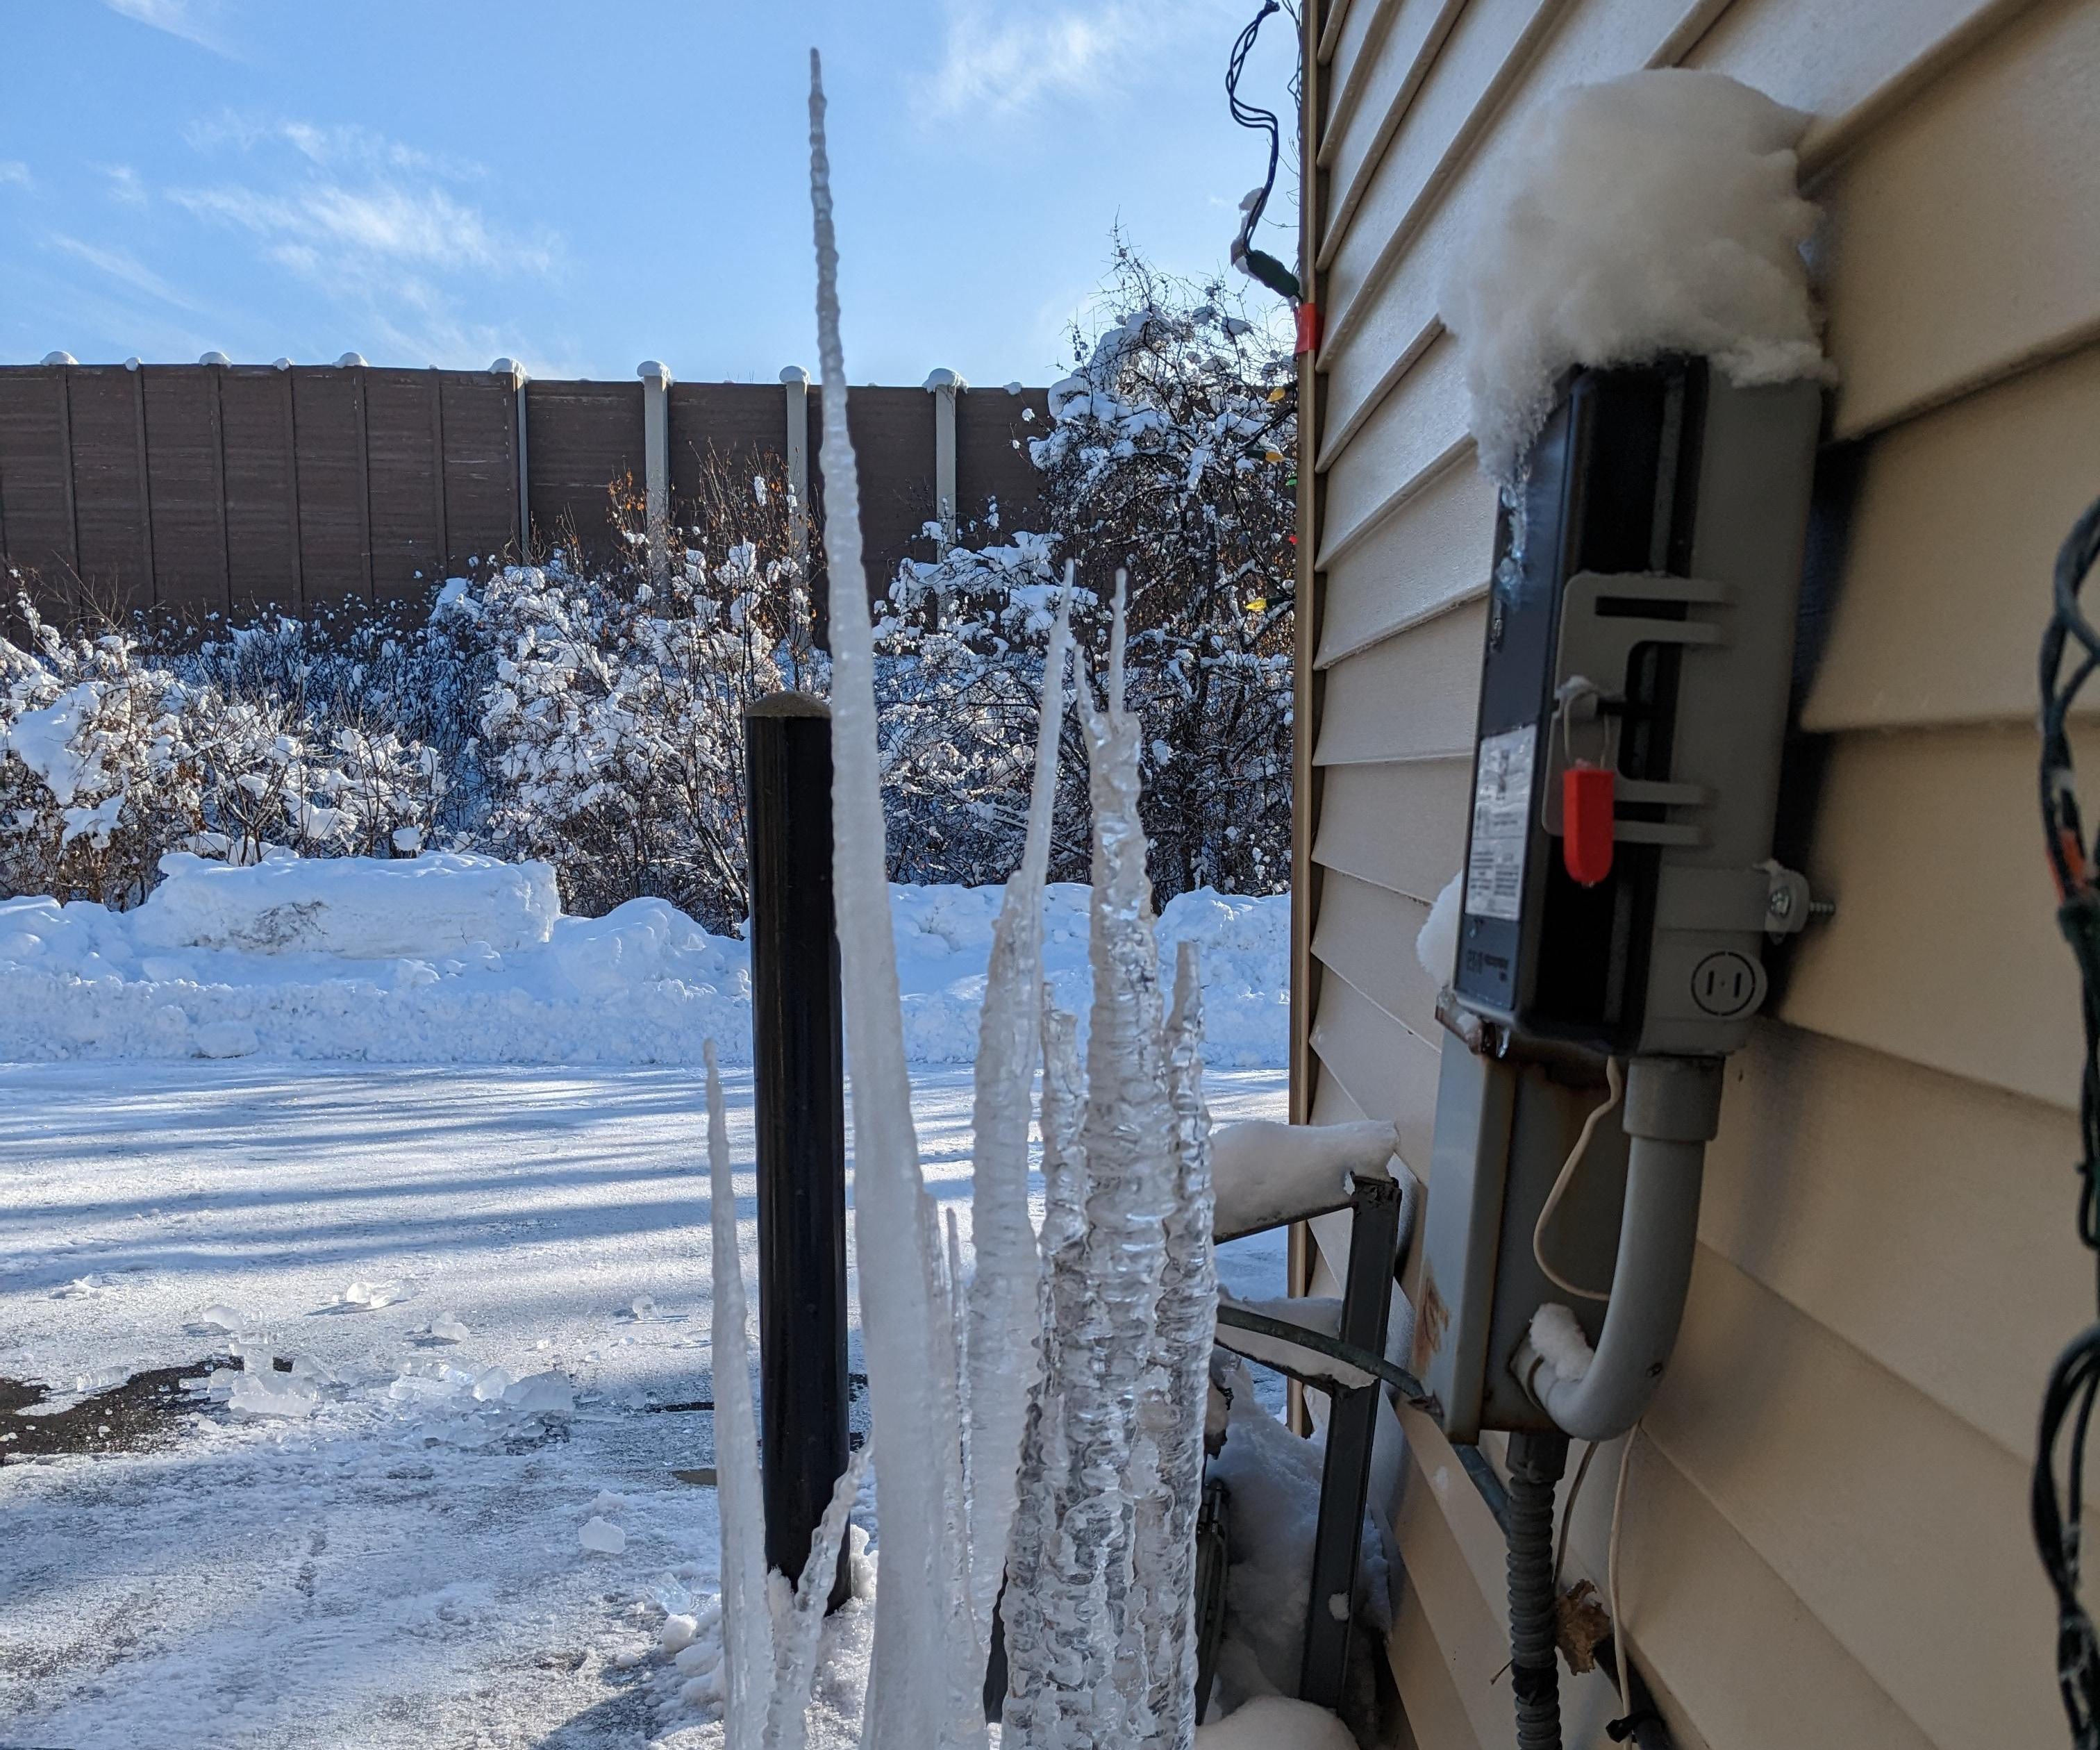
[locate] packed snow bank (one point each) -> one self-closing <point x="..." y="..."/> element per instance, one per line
<point x="455" y="958"/>
<point x="1649" y="214"/>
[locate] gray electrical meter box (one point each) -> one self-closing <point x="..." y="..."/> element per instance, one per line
<point x="1640" y="636"/>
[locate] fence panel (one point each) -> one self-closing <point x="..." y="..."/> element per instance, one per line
<point x="36" y="471"/>
<point x="185" y="488"/>
<point x="992" y="468"/>
<point x="261" y="499"/>
<point x="480" y="415"/>
<point x="328" y="408"/>
<point x="406" y="484"/>
<point x="580" y="438"/>
<point x="106" y="408"/>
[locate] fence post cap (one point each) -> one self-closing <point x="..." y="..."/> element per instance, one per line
<point x="944" y="378"/>
<point x="60" y="358"/>
<point x="350" y="361"/>
<point x="792" y="374"/>
<point x="509" y="368"/>
<point x="653" y="371"/>
<point x="280" y="364"/>
<point x="133" y="362"/>
<point x="220" y="358"/>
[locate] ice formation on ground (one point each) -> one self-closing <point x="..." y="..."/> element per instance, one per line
<point x="396" y="962"/>
<point x="1653" y="213"/>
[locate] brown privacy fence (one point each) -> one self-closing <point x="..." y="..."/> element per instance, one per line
<point x="231" y="488"/>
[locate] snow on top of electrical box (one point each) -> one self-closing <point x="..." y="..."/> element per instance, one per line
<point x="1650" y="214"/>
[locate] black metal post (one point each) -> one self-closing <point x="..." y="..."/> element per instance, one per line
<point x="1351" y="1426"/>
<point x="799" y="1098"/>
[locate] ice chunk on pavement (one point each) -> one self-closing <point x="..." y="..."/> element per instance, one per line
<point x="677" y="1634"/>
<point x="548" y="1394"/>
<point x="447" y="1328"/>
<point x="603" y="1536"/>
<point x="608" y="1502"/>
<point x="373" y="1295"/>
<point x="490" y="1386"/>
<point x="223" y="1317"/>
<point x="272" y="1394"/>
<point x="644" y="1307"/>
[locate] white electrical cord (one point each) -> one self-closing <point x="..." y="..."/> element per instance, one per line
<point x="1615" y="1081"/>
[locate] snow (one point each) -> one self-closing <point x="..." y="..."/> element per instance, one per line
<point x="1277" y="1723"/>
<point x="454" y="957"/>
<point x="1557" y="1335"/>
<point x="1649" y="214"/>
<point x="1269" y="1174"/>
<point x="1436" y="942"/>
<point x="403" y="1565"/>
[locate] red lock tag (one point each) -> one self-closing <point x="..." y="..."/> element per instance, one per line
<point x="1586" y="821"/>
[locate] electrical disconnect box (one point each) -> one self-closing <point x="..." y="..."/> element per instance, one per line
<point x="1619" y="890"/>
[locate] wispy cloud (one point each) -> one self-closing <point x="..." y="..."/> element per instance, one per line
<point x="398" y="238"/>
<point x="14" y="171"/>
<point x="126" y="269"/>
<point x="124" y="186"/>
<point x="1003" y="56"/>
<point x="193" y="20"/>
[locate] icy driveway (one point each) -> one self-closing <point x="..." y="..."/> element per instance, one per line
<point x="381" y="1572"/>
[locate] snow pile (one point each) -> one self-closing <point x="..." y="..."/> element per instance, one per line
<point x="1649" y="214"/>
<point x="943" y="936"/>
<point x="364" y="909"/>
<point x="457" y="958"/>
<point x="436" y="959"/>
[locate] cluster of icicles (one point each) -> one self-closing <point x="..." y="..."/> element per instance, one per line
<point x="1061" y="1389"/>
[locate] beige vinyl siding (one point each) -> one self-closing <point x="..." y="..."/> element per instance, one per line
<point x="1825" y="1539"/>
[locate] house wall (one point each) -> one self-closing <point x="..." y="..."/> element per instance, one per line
<point x="1825" y="1537"/>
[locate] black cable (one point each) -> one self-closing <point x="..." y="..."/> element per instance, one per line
<point x="1256" y="262"/>
<point x="2074" y="1382"/>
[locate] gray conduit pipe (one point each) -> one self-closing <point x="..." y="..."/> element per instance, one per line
<point x="1672" y="1108"/>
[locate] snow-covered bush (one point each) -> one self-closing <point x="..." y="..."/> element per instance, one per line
<point x="613" y="724"/>
<point x="99" y="776"/>
<point x="1170" y="455"/>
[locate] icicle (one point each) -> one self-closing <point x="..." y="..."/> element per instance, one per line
<point x="747" y="1614"/>
<point x="1091" y="1653"/>
<point x="1005" y="1311"/>
<point x="1177" y="1387"/>
<point x="801" y="1627"/>
<point x="910" y="1403"/>
<point x="1035" y="1701"/>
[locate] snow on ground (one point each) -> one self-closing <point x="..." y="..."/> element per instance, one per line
<point x="398" y="1562"/>
<point x="458" y="959"/>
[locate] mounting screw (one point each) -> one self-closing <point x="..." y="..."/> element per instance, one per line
<point x="1781" y="902"/>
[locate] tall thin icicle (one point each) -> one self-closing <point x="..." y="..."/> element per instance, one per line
<point x="1005" y="1315"/>
<point x="910" y="1707"/>
<point x="1176" y="1390"/>
<point x="747" y="1612"/>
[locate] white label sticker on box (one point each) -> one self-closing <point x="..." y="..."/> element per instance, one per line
<point x="1501" y="824"/>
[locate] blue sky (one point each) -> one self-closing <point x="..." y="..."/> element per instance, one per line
<point x="585" y="185"/>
